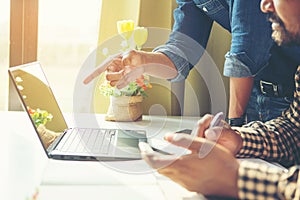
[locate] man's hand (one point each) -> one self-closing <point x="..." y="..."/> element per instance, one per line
<point x="214" y="174"/>
<point x="223" y="135"/>
<point x="110" y="61"/>
<point x="126" y="69"/>
<point x="123" y="68"/>
<point x="119" y="65"/>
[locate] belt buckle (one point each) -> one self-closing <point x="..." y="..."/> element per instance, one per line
<point x="274" y="87"/>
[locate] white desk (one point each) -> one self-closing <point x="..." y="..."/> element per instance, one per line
<point x="24" y="166"/>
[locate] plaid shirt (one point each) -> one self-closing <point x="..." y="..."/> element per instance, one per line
<point x="276" y="140"/>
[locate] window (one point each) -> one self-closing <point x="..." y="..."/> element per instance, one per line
<point x="4" y="51"/>
<point x="68" y="32"/>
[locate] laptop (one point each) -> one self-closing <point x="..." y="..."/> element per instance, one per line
<point x="60" y="141"/>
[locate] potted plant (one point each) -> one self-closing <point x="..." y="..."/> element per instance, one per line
<point x="126" y="104"/>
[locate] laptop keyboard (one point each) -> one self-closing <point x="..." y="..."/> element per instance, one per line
<point x="82" y="140"/>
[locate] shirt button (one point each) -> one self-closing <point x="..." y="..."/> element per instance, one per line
<point x="204" y="9"/>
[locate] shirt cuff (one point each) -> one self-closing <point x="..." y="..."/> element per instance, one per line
<point x="251" y="146"/>
<point x="234" y="67"/>
<point x="178" y="59"/>
<point x="258" y="181"/>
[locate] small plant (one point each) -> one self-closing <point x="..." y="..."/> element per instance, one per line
<point x="39" y="117"/>
<point x="136" y="88"/>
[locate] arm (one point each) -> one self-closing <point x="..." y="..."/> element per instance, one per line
<point x="155" y="64"/>
<point x="277" y="139"/>
<point x="219" y="173"/>
<point x="273" y="183"/>
<point x="187" y="40"/>
<point x="214" y="174"/>
<point x="183" y="49"/>
<point x="240" y="91"/>
<point x="249" y="52"/>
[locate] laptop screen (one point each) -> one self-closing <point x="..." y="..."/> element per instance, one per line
<point x="38" y="101"/>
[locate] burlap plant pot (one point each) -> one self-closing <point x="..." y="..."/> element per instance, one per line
<point x="46" y="135"/>
<point x="125" y="108"/>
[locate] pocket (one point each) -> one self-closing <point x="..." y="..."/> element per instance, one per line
<point x="288" y="100"/>
<point x="210" y="7"/>
<point x="216" y="10"/>
<point x="280" y="103"/>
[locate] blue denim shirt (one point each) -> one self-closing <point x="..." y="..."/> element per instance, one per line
<point x="251" y="35"/>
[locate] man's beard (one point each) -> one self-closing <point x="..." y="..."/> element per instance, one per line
<point x="281" y="35"/>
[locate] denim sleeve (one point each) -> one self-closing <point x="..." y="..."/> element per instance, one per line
<point x="251" y="39"/>
<point x="188" y="38"/>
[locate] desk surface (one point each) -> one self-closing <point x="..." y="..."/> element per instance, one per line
<point x="26" y="167"/>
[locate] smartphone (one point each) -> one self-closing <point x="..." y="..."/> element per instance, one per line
<point x="186" y="131"/>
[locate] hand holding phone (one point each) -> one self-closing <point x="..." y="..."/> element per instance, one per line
<point x="217" y="120"/>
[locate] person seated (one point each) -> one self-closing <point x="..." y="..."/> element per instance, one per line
<point x="212" y="167"/>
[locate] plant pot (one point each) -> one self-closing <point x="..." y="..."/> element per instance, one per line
<point x="46" y="135"/>
<point x="125" y="108"/>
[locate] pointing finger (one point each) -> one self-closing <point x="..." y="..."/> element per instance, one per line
<point x="114" y="76"/>
<point x="100" y="69"/>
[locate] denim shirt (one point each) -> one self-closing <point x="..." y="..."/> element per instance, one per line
<point x="251" y="35"/>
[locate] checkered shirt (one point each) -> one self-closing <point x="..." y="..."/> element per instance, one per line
<point x="276" y="140"/>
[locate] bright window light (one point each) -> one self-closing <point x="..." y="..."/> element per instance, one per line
<point x="68" y="32"/>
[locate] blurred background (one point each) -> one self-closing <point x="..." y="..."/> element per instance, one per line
<point x="62" y="34"/>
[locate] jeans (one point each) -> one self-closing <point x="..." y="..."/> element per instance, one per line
<point x="263" y="108"/>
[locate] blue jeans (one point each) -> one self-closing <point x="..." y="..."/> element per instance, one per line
<point x="263" y="108"/>
<point x="251" y="38"/>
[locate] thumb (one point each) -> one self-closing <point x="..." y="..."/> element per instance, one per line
<point x="186" y="141"/>
<point x="130" y="76"/>
<point x="213" y="134"/>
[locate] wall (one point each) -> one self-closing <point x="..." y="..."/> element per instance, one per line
<point x="141" y="12"/>
<point x="200" y="102"/>
<point x="218" y="45"/>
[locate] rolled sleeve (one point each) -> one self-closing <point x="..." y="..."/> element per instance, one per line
<point x="177" y="57"/>
<point x="235" y="67"/>
<point x="189" y="37"/>
<point x="184" y="52"/>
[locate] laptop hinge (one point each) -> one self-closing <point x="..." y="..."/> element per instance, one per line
<point x="53" y="145"/>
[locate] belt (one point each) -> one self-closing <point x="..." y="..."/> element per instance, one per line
<point x="275" y="90"/>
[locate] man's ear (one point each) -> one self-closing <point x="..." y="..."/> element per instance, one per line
<point x="267" y="6"/>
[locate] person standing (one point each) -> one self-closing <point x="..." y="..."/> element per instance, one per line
<point x="259" y="88"/>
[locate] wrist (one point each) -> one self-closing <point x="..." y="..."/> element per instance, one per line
<point x="230" y="184"/>
<point x="145" y="57"/>
<point x="237" y="121"/>
<point x="239" y="142"/>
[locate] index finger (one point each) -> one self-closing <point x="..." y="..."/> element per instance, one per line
<point x="100" y="69"/>
<point x="197" y="145"/>
<point x="186" y="141"/>
<point x="154" y="159"/>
